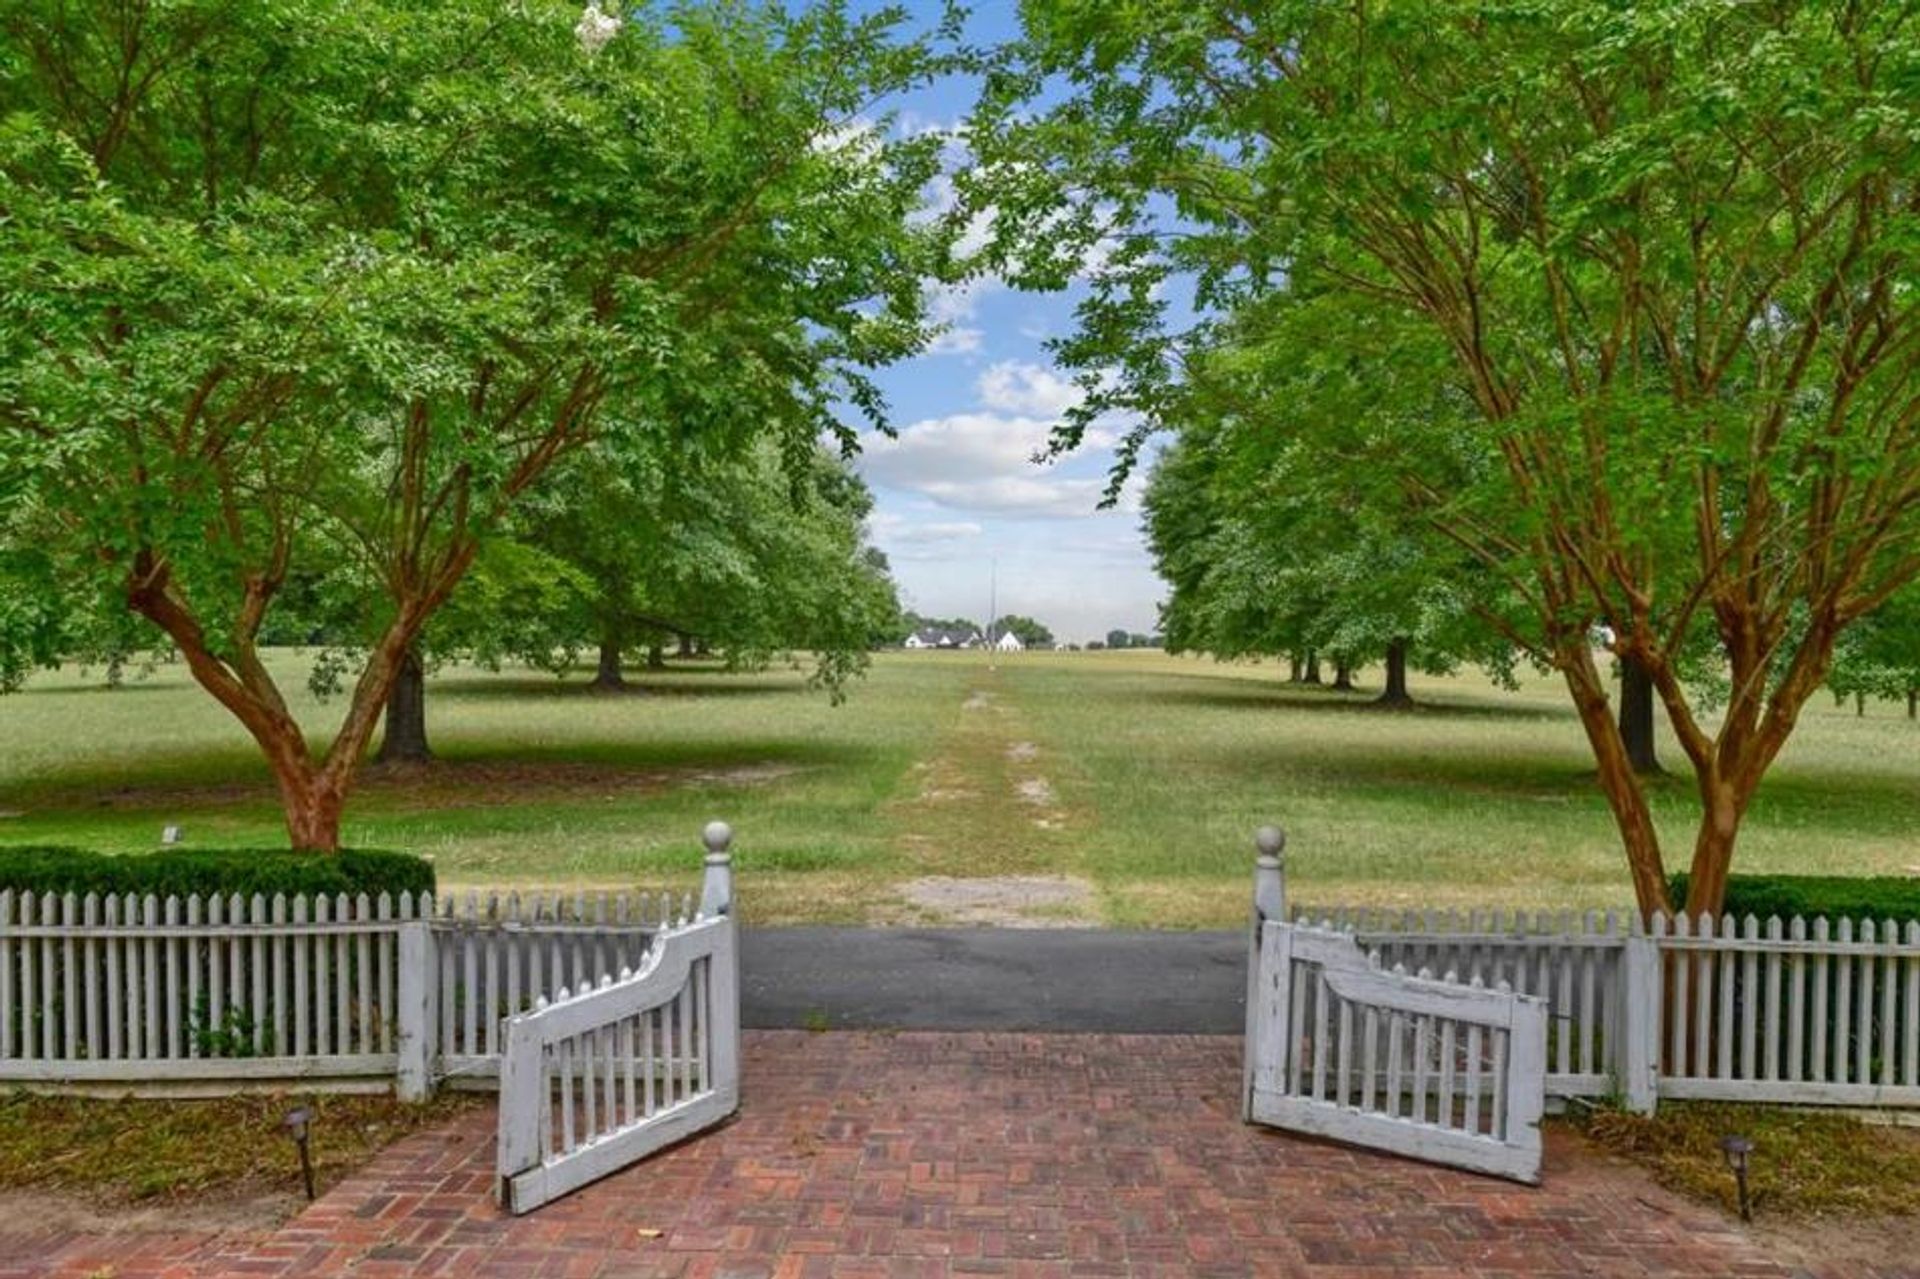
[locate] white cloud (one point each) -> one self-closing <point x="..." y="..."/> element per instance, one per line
<point x="1014" y="386"/>
<point x="955" y="306"/>
<point x="948" y="531"/>
<point x="980" y="462"/>
<point x="858" y="136"/>
<point x="1017" y="495"/>
<point x="956" y="340"/>
<point x="963" y="446"/>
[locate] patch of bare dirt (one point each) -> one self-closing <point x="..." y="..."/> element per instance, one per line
<point x="978" y="700"/>
<point x="1852" y="1247"/>
<point x="1002" y="901"/>
<point x="947" y="794"/>
<point x="464" y="784"/>
<point x="1037" y="791"/>
<point x="1021" y="752"/>
<point x="72" y="1212"/>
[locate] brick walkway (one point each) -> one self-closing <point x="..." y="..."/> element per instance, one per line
<point x="953" y="1154"/>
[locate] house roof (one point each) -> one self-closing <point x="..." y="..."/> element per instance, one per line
<point x="946" y="637"/>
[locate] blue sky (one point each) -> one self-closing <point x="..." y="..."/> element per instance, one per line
<point x="958" y="500"/>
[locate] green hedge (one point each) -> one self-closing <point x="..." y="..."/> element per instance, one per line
<point x="1835" y="896"/>
<point x="208" y="871"/>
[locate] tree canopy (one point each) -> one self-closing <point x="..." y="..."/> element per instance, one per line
<point x="1637" y="283"/>
<point x="294" y="287"/>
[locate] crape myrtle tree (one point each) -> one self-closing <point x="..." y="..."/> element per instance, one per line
<point x="1660" y="256"/>
<point x="286" y="287"/>
<point x="755" y="561"/>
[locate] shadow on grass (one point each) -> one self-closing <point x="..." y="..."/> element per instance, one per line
<point x="1832" y="802"/>
<point x="702" y="683"/>
<point x="1245" y="694"/>
<point x="490" y="776"/>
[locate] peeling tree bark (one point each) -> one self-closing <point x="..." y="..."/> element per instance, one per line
<point x="1618" y="780"/>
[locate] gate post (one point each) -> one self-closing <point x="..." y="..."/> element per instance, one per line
<point x="414" y="1014"/>
<point x="716" y="887"/>
<point x="1269" y="906"/>
<point x="1637" y="1036"/>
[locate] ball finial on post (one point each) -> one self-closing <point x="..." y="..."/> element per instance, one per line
<point x="1269" y="882"/>
<point x="716" y="886"/>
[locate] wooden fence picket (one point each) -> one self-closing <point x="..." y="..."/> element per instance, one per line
<point x="1807" y="1011"/>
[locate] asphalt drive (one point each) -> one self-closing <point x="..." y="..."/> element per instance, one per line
<point x="1033" y="979"/>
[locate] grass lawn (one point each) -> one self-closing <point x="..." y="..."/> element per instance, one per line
<point x="1137" y="775"/>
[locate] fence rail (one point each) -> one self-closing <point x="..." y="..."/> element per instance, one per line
<point x="190" y="993"/>
<point x="620" y="1067"/>
<point x="1424" y="1067"/>
<point x="1804" y="1011"/>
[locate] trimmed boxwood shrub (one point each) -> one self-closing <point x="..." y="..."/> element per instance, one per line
<point x="207" y="871"/>
<point x="1835" y="896"/>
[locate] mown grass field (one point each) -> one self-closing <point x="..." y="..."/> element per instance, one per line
<point x="1137" y="775"/>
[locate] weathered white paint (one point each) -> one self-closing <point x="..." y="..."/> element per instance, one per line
<point x="619" y="1089"/>
<point x="332" y="992"/>
<point x="1477" y="1088"/>
<point x="1812" y="1012"/>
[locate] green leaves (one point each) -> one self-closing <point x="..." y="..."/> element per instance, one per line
<point x="290" y="291"/>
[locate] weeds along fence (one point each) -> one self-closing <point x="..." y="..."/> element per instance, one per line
<point x="205" y="995"/>
<point x="1802" y="1011"/>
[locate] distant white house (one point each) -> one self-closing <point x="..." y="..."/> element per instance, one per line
<point x="941" y="637"/>
<point x="1009" y="643"/>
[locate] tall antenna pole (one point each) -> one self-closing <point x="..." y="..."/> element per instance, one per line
<point x="993" y="599"/>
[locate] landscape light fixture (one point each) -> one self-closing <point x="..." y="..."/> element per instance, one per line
<point x="298" y="1124"/>
<point x="1737" y="1150"/>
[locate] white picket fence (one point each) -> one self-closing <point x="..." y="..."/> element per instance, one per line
<point x="619" y="1067"/>
<point x="154" y="991"/>
<point x="170" y="994"/>
<point x="1430" y="1068"/>
<point x="1812" y="1012"/>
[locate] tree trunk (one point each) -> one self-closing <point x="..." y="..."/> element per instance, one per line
<point x="686" y="646"/>
<point x="1723" y="806"/>
<point x="1618" y="781"/>
<point x="1859" y="705"/>
<point x="1313" y="668"/>
<point x="1636" y="716"/>
<point x="609" y="678"/>
<point x="1913" y="697"/>
<point x="313" y="814"/>
<point x="405" y="740"/>
<point x="1395" y="694"/>
<point x="656" y="657"/>
<point x="1294" y="668"/>
<point x="1342" y="676"/>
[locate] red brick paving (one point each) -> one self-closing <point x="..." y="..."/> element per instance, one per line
<point x="940" y="1155"/>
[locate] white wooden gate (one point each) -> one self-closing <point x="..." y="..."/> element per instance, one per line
<point x="1433" y="1070"/>
<point x="604" y="1076"/>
